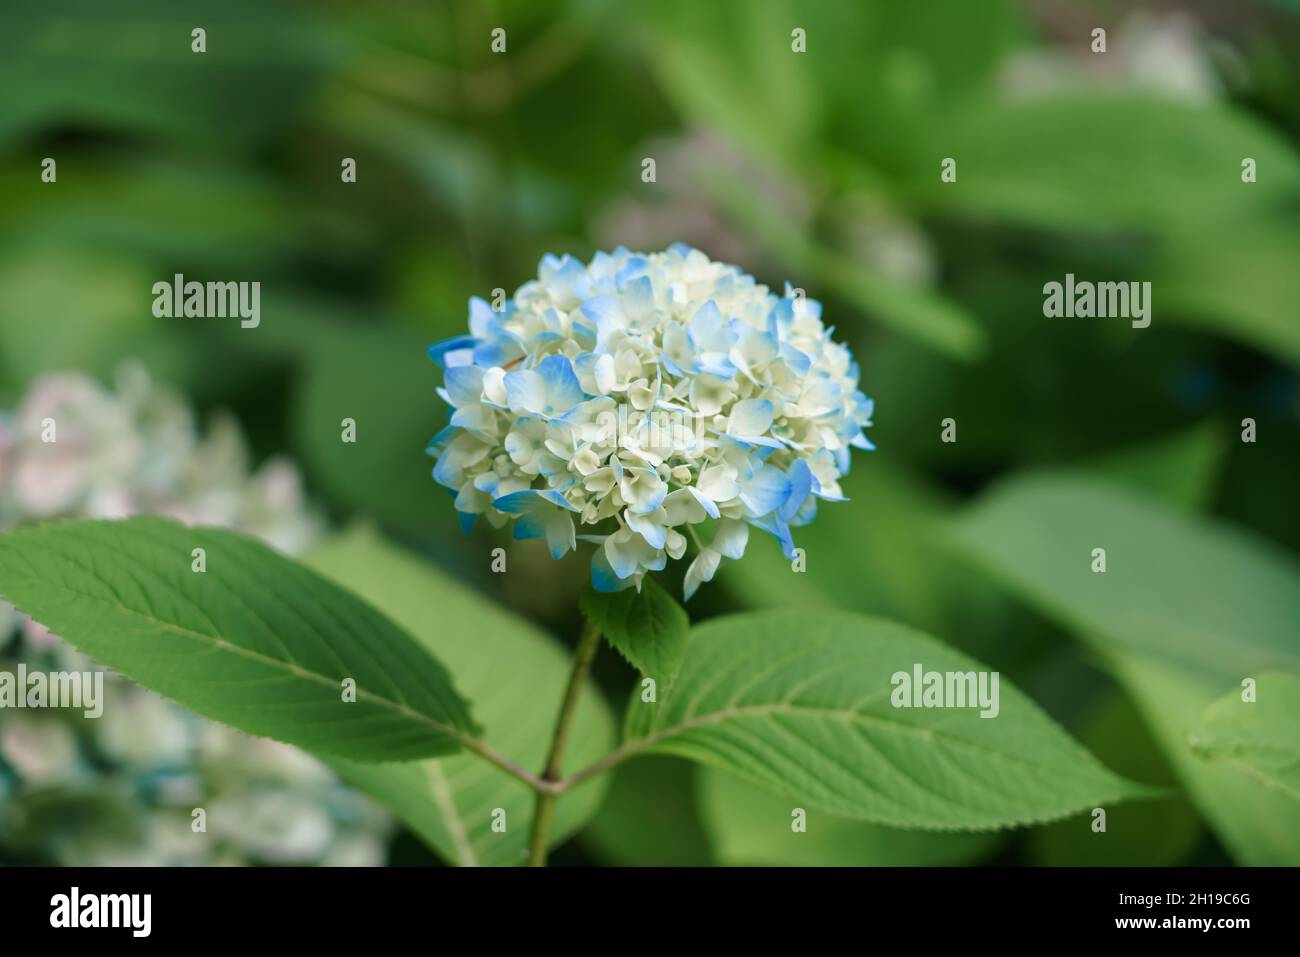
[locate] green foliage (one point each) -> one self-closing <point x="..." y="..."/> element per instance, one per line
<point x="1185" y="609"/>
<point x="256" y="640"/>
<point x="1105" y="161"/>
<point x="1258" y="737"/>
<point x="821" y="169"/>
<point x="882" y="553"/>
<point x="512" y="671"/>
<point x="368" y="378"/>
<point x="802" y="706"/>
<point x="148" y="79"/>
<point x="1194" y="592"/>
<point x="645" y="625"/>
<point x="1160" y="832"/>
<point x="1180" y="470"/>
<point x="649" y="817"/>
<point x="751" y="826"/>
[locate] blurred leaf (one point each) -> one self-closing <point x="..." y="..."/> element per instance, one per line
<point x="167" y="216"/>
<point x="1096" y="161"/>
<point x="1191" y="590"/>
<point x="917" y="312"/>
<point x="1258" y="738"/>
<point x="750" y="826"/>
<point x="383" y="381"/>
<point x="1185" y="609"/>
<point x="131" y="67"/>
<point x="1238" y="280"/>
<point x="124" y="593"/>
<point x="802" y="705"/>
<point x="1180" y="470"/>
<point x="924" y="314"/>
<point x="1259" y="826"/>
<point x="1157" y="833"/>
<point x="49" y="323"/>
<point x="874" y="73"/>
<point x="649" y="817"/>
<point x="61" y="821"/>
<point x="450" y="802"/>
<point x="881" y="552"/>
<point x="459" y="172"/>
<point x="753" y="88"/>
<point x="645" y="625"/>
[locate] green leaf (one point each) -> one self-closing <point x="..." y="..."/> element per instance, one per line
<point x="881" y="553"/>
<point x="1052" y="162"/>
<point x="1193" y="591"/>
<point x="752" y="90"/>
<point x="923" y="314"/>
<point x="514" y="673"/>
<point x="750" y="826"/>
<point x="92" y="324"/>
<point x="1236" y="280"/>
<point x="1260" y="738"/>
<point x="1162" y="832"/>
<point x="257" y="72"/>
<point x="257" y="640"/>
<point x="649" y="817"/>
<point x="647" y="627"/>
<point x="1258" y="825"/>
<point x="384" y="382"/>
<point x="801" y="705"/>
<point x="1180" y="470"/>
<point x="1185" y="610"/>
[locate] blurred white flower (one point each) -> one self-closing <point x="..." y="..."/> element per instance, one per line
<point x="1167" y="53"/>
<point x="137" y="449"/>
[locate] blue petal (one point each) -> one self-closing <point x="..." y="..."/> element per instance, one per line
<point x="800" y="486"/>
<point x="777" y="529"/>
<point x="603" y="311"/>
<point x="439" y="350"/>
<point x="563" y="391"/>
<point x="529" y="501"/>
<point x="706" y="326"/>
<point x="603" y="578"/>
<point x="464" y="385"/>
<point x="654" y="533"/>
<point x="584" y="335"/>
<point x="440" y="441"/>
<point x="765" y="491"/>
<point x="710" y="508"/>
<point x="632" y="275"/>
<point x="481" y="318"/>
<point x="525" y="390"/>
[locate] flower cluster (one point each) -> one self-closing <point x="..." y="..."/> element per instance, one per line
<point x="647" y="398"/>
<point x="74" y="449"/>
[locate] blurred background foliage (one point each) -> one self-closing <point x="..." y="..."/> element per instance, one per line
<point x="819" y="168"/>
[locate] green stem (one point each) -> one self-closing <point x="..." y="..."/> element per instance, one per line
<point x="588" y="643"/>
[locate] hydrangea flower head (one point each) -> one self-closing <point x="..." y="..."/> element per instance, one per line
<point x="647" y="401"/>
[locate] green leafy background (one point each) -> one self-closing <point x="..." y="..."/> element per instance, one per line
<point x="821" y="169"/>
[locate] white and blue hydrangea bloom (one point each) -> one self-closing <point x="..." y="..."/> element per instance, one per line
<point x="645" y="402"/>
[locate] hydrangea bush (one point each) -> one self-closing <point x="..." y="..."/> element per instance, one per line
<point x="650" y="402"/>
<point x="654" y="405"/>
<point x="145" y="763"/>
